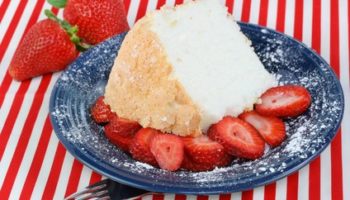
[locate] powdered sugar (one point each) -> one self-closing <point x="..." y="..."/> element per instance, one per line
<point x="308" y="134"/>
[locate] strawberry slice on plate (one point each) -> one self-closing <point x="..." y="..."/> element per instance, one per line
<point x="272" y="129"/>
<point x="168" y="150"/>
<point x="204" y="150"/>
<point x="238" y="138"/>
<point x="140" y="146"/>
<point x="123" y="127"/>
<point x="284" y="101"/>
<point x="101" y="112"/>
<point x="122" y="142"/>
<point x="191" y="165"/>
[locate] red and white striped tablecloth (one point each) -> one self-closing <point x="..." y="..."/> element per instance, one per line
<point x="34" y="165"/>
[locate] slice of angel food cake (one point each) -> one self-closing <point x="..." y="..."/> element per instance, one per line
<point x="183" y="89"/>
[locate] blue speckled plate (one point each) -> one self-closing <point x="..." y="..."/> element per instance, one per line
<point x="292" y="62"/>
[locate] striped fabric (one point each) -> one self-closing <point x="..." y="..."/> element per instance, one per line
<point x="34" y="165"/>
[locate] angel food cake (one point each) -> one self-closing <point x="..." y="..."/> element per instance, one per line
<point x="181" y="69"/>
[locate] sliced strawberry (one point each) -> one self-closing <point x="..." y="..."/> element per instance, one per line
<point x="203" y="150"/>
<point x="123" y="142"/>
<point x="272" y="129"/>
<point x="284" y="101"/>
<point x="140" y="146"/>
<point x="101" y="112"/>
<point x="191" y="165"/>
<point x="123" y="127"/>
<point x="168" y="150"/>
<point x="238" y="138"/>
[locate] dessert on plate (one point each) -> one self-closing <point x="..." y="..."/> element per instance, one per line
<point x="183" y="87"/>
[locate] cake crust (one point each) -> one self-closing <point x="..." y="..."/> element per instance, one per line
<point x="141" y="86"/>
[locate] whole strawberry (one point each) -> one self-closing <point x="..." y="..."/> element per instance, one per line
<point x="97" y="20"/>
<point x="45" y="48"/>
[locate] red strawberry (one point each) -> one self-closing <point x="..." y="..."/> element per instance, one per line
<point x="140" y="146"/>
<point x="190" y="165"/>
<point x="45" y="48"/>
<point x="272" y="129"/>
<point x="97" y="20"/>
<point x="123" y="127"/>
<point x="238" y="138"/>
<point x="284" y="101"/>
<point x="168" y="150"/>
<point x="203" y="150"/>
<point x="123" y="142"/>
<point x="101" y="112"/>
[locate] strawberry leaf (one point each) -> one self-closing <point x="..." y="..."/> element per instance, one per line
<point x="58" y="3"/>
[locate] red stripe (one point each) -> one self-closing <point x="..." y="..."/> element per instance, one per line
<point x="229" y="5"/>
<point x="74" y="176"/>
<point x="336" y="145"/>
<point x="33" y="19"/>
<point x="246" y="10"/>
<point x="281" y="15"/>
<point x="247" y="195"/>
<point x="292" y="186"/>
<point x="24" y="138"/>
<point x="142" y="9"/>
<point x="177" y="2"/>
<point x="315" y="166"/>
<point x="264" y="5"/>
<point x="160" y="3"/>
<point x="38" y="158"/>
<point x="225" y="197"/>
<point x="127" y="5"/>
<point x="298" y="20"/>
<point x="157" y="196"/>
<point x="11" y="118"/>
<point x="4" y="5"/>
<point x="202" y="197"/>
<point x="95" y="177"/>
<point x="270" y="192"/>
<point x="180" y="197"/>
<point x="55" y="172"/>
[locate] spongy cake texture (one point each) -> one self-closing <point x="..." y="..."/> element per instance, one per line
<point x="181" y="69"/>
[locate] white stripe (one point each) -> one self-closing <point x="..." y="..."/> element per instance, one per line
<point x="281" y="189"/>
<point x="170" y="2"/>
<point x="152" y="4"/>
<point x="64" y="176"/>
<point x="236" y="195"/>
<point x="191" y="197"/>
<point x="254" y="12"/>
<point x="223" y="2"/>
<point x="22" y="23"/>
<point x="213" y="197"/>
<point x="303" y="183"/>
<point x="32" y="145"/>
<point x="84" y="178"/>
<point x="7" y="18"/>
<point x="272" y="14"/>
<point x="134" y="5"/>
<point x="344" y="79"/>
<point x="258" y="193"/>
<point x="325" y="52"/>
<point x="147" y="197"/>
<point x="307" y="23"/>
<point x="237" y="9"/>
<point x="44" y="173"/>
<point x="6" y="106"/>
<point x="169" y="196"/>
<point x="17" y="129"/>
<point x="289" y="21"/>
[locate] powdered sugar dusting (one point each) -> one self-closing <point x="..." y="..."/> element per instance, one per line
<point x="307" y="134"/>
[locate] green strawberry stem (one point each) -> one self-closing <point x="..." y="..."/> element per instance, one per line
<point x="71" y="31"/>
<point x="58" y="3"/>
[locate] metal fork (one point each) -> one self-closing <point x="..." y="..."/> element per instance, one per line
<point x="106" y="189"/>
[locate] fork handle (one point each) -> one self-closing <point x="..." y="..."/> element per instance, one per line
<point x="120" y="191"/>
